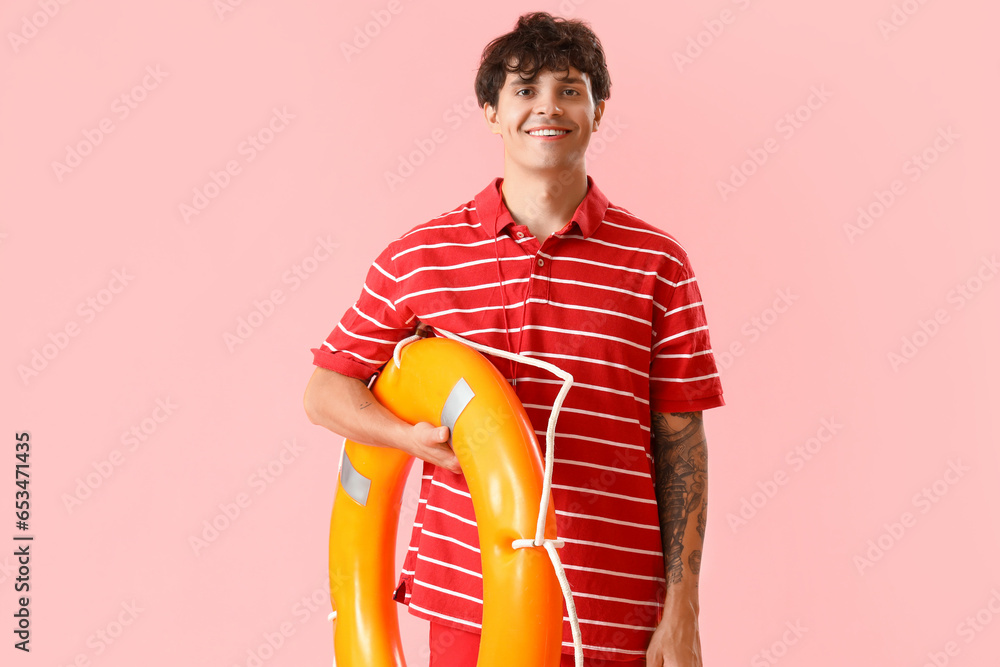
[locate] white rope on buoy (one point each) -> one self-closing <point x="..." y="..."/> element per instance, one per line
<point x="399" y="348"/>
<point x="539" y="540"/>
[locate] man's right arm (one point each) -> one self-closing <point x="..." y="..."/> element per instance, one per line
<point x="345" y="406"/>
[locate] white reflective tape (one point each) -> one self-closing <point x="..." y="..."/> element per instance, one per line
<point x="459" y="397"/>
<point x="355" y="484"/>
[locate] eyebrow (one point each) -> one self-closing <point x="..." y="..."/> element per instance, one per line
<point x="521" y="81"/>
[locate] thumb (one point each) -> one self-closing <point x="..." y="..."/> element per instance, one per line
<point x="442" y="433"/>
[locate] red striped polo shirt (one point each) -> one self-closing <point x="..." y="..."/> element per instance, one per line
<point x="610" y="299"/>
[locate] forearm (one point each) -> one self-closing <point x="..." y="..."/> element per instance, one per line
<point x="682" y="592"/>
<point x="347" y="407"/>
<point x="681" y="462"/>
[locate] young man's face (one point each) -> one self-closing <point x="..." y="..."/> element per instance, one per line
<point x="552" y="100"/>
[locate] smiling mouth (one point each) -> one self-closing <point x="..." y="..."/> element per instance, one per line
<point x="548" y="133"/>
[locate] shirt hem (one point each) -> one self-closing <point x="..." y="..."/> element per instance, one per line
<point x="660" y="405"/>
<point x="341" y="364"/>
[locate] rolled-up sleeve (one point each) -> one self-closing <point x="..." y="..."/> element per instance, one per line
<point x="683" y="376"/>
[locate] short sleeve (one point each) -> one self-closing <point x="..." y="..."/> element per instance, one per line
<point x="683" y="376"/>
<point x="366" y="335"/>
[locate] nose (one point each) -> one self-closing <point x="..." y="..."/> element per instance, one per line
<point x="547" y="103"/>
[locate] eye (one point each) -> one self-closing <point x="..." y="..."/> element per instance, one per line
<point x="523" y="90"/>
<point x="572" y="91"/>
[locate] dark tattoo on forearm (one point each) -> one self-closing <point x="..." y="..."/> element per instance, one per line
<point x="681" y="463"/>
<point x="365" y="404"/>
<point x="694" y="560"/>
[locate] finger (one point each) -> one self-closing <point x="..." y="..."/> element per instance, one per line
<point x="451" y="463"/>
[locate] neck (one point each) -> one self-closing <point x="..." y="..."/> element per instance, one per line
<point x="543" y="202"/>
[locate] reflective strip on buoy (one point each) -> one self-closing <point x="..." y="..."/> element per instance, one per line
<point x="459" y="397"/>
<point x="356" y="484"/>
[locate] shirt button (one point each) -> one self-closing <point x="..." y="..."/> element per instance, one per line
<point x="520" y="235"/>
<point x="541" y="262"/>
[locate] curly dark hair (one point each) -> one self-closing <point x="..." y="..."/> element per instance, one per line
<point x="539" y="42"/>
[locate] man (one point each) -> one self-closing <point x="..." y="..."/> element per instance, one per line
<point x="542" y="264"/>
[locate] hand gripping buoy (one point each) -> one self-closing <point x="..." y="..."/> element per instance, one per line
<point x="446" y="383"/>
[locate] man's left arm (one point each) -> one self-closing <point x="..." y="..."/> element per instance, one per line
<point x="680" y="457"/>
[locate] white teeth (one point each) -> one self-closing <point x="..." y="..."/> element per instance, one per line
<point x="547" y="133"/>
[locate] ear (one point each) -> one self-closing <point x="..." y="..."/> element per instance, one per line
<point x="490" y="113"/>
<point x="598" y="112"/>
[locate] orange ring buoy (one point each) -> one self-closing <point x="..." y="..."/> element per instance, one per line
<point x="444" y="382"/>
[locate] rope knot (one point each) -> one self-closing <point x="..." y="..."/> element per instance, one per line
<point x="524" y="544"/>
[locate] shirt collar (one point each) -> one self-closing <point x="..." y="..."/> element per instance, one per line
<point x="588" y="215"/>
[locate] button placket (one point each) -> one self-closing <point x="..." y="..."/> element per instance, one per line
<point x="530" y="248"/>
<point x="543" y="267"/>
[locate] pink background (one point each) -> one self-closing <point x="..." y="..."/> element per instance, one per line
<point x="790" y="560"/>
